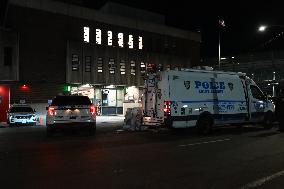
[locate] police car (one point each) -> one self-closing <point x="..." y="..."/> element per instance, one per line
<point x="71" y="112"/>
<point x="21" y="114"/>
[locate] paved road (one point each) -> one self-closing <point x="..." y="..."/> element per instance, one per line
<point x="229" y="158"/>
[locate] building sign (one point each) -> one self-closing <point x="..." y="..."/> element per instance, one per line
<point x="98" y="36"/>
<point x="130" y="41"/>
<point x="140" y="42"/>
<point x="109" y="38"/>
<point x="120" y="38"/>
<point x="86" y="34"/>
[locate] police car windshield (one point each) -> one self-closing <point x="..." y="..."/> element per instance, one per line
<point x="21" y="109"/>
<point x="70" y="100"/>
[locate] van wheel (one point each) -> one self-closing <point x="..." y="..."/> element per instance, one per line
<point x="268" y="120"/>
<point x="204" y="125"/>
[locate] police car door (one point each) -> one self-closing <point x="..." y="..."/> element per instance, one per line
<point x="257" y="104"/>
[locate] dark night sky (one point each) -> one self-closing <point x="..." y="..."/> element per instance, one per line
<point x="242" y="19"/>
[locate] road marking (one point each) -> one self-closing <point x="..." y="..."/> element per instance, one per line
<point x="263" y="180"/>
<point x="206" y="142"/>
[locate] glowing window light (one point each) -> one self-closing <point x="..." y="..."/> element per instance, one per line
<point x="120" y="39"/>
<point x="140" y="42"/>
<point x="98" y="36"/>
<point x="109" y="38"/>
<point x="130" y="41"/>
<point x="86" y="34"/>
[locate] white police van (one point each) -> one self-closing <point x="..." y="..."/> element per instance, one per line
<point x="203" y="98"/>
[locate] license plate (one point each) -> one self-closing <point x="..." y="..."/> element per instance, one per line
<point x="73" y="117"/>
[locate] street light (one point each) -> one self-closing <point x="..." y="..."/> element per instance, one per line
<point x="262" y="28"/>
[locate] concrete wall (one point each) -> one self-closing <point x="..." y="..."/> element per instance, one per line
<point x="9" y="39"/>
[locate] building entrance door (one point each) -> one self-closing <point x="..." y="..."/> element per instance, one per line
<point x="4" y="102"/>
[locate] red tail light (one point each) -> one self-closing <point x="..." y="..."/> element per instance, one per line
<point x="167" y="107"/>
<point x="51" y="111"/>
<point x="92" y="109"/>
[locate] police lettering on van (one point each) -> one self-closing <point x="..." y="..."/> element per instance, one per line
<point x="210" y="87"/>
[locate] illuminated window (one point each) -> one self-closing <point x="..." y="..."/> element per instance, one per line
<point x="132" y="67"/>
<point x="109" y="38"/>
<point x="130" y="41"/>
<point x="87" y="63"/>
<point x="120" y="39"/>
<point x="143" y="68"/>
<point x="111" y="65"/>
<point x="100" y="65"/>
<point x="98" y="36"/>
<point x="140" y="42"/>
<point x="75" y="62"/>
<point x="86" y="34"/>
<point x="122" y="67"/>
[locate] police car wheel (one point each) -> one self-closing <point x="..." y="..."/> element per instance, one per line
<point x="268" y="120"/>
<point x="204" y="125"/>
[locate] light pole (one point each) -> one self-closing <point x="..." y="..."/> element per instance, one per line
<point x="220" y="25"/>
<point x="273" y="85"/>
<point x="263" y="28"/>
<point x="219" y="52"/>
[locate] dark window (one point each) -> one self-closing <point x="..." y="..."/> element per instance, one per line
<point x="143" y="68"/>
<point x="87" y="63"/>
<point x="122" y="67"/>
<point x="132" y="67"/>
<point x="100" y="65"/>
<point x="75" y="62"/>
<point x="256" y="92"/>
<point x="20" y="109"/>
<point x="111" y="65"/>
<point x="8" y="56"/>
<point x="70" y="100"/>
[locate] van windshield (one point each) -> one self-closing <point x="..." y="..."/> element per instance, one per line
<point x="70" y="100"/>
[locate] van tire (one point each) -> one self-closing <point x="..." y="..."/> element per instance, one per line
<point x="268" y="120"/>
<point x="204" y="125"/>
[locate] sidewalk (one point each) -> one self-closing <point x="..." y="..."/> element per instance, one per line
<point x="3" y="125"/>
<point x="112" y="120"/>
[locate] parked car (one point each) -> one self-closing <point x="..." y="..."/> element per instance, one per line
<point x="71" y="112"/>
<point x="21" y="114"/>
